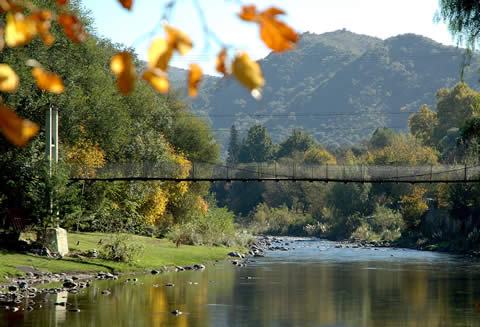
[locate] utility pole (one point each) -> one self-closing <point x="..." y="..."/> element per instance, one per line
<point x="51" y="144"/>
<point x="51" y="134"/>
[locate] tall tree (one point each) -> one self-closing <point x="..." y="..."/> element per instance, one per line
<point x="297" y="141"/>
<point x="233" y="146"/>
<point x="423" y="123"/>
<point x="462" y="18"/>
<point x="454" y="107"/>
<point x="258" y="146"/>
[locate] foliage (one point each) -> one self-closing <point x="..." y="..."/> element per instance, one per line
<point x="119" y="247"/>
<point x="461" y="17"/>
<point x="318" y="156"/>
<point x="405" y="151"/>
<point x="383" y="137"/>
<point x="278" y="221"/>
<point x="233" y="151"/>
<point x="257" y="146"/>
<point x="297" y="141"/>
<point x="413" y="208"/>
<point x="215" y="227"/>
<point x="422" y="124"/>
<point x="84" y="157"/>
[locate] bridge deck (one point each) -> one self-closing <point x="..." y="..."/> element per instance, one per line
<point x="263" y="172"/>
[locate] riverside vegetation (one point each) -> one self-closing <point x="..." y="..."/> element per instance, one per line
<point x="99" y="126"/>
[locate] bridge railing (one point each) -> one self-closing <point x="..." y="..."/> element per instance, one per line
<point x="289" y="171"/>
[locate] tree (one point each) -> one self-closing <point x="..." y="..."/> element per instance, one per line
<point x="297" y="141"/>
<point x="318" y="156"/>
<point x="257" y="146"/>
<point x="462" y="18"/>
<point x="233" y="146"/>
<point x="383" y="137"/>
<point x="455" y="107"/>
<point x="422" y="124"/>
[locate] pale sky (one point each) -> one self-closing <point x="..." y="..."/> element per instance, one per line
<point x="380" y="18"/>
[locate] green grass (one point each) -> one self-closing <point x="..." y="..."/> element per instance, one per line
<point x="157" y="253"/>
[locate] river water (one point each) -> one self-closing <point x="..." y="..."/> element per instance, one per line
<point x="316" y="284"/>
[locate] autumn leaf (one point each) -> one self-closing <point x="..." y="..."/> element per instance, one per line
<point x="178" y="40"/>
<point x="8" y="79"/>
<point x="127" y="4"/>
<point x="159" y="54"/>
<point x="221" y="59"/>
<point x="157" y="78"/>
<point x="19" y="30"/>
<point x="43" y="21"/>
<point x="249" y="13"/>
<point x="122" y="66"/>
<point x="72" y="27"/>
<point x="247" y="71"/>
<point x="16" y="130"/>
<point x="9" y="6"/>
<point x="62" y="2"/>
<point x="194" y="78"/>
<point x="48" y="81"/>
<point x="276" y="35"/>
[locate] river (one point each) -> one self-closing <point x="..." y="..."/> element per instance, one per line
<point x="316" y="284"/>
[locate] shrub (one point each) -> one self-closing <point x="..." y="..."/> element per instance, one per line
<point x="121" y="248"/>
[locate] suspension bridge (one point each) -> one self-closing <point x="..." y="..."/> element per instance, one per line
<point x="264" y="172"/>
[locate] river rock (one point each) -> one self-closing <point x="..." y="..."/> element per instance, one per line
<point x="169" y="284"/>
<point x="198" y="267"/>
<point x="178" y="268"/>
<point x="176" y="312"/>
<point x="235" y="255"/>
<point x="106" y="292"/>
<point x="12" y="288"/>
<point x="155" y="272"/>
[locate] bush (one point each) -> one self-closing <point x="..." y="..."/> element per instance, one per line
<point x="121" y="248"/>
<point x="214" y="228"/>
<point x="278" y="221"/>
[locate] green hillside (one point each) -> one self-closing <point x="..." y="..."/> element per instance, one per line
<point x="338" y="86"/>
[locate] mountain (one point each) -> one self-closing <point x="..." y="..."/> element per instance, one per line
<point x="338" y="86"/>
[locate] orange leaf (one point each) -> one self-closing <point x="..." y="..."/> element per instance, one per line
<point x="43" y="21"/>
<point x="8" y="79"/>
<point x="178" y="40"/>
<point x="157" y="78"/>
<point x="277" y="35"/>
<point x="48" y="81"/>
<point x="122" y="66"/>
<point x="127" y="4"/>
<point x="19" y="30"/>
<point x="16" y="130"/>
<point x="247" y="71"/>
<point x="72" y="27"/>
<point x="9" y="6"/>
<point x="221" y="58"/>
<point x="159" y="54"/>
<point x="249" y="13"/>
<point x="194" y="78"/>
<point x="62" y="2"/>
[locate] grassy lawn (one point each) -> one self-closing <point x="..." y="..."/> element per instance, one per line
<point x="157" y="253"/>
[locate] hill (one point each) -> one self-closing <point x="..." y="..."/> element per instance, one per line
<point x="338" y="86"/>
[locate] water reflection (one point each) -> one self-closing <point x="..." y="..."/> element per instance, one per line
<point x="315" y="285"/>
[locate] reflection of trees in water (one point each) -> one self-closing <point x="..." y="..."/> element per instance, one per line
<point x="348" y="294"/>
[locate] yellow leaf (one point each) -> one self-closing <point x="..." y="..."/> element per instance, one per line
<point x="16" y="130"/>
<point x="19" y="30"/>
<point x="158" y="79"/>
<point x="194" y="78"/>
<point x="247" y="71"/>
<point x="159" y="54"/>
<point x="127" y="4"/>
<point x="8" y="79"/>
<point x="221" y="59"/>
<point x="178" y="40"/>
<point x="122" y="66"/>
<point x="249" y="13"/>
<point x="48" y="81"/>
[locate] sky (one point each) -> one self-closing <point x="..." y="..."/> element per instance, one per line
<point x="379" y="18"/>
